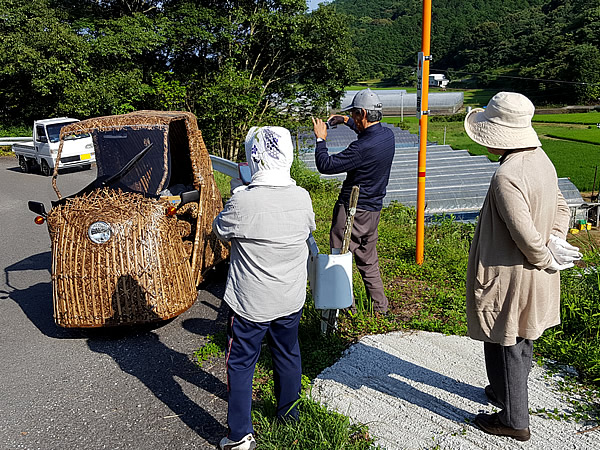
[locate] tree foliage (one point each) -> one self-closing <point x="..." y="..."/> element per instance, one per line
<point x="234" y="63"/>
<point x="514" y="44"/>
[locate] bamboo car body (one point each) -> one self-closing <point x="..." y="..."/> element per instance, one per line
<point x="121" y="254"/>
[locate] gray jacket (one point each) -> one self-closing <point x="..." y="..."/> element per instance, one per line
<point x="267" y="227"/>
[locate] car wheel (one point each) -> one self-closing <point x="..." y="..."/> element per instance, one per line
<point x="45" y="168"/>
<point x="86" y="167"/>
<point x="24" y="164"/>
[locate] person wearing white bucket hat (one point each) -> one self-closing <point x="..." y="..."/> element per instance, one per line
<point x="267" y="223"/>
<point x="518" y="249"/>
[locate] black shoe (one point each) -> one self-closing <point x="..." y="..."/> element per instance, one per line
<point x="491" y="396"/>
<point x="490" y="423"/>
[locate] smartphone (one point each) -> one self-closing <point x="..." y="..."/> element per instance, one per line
<point x="245" y="172"/>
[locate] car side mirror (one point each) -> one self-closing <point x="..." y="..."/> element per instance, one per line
<point x="37" y="208"/>
<point x="189" y="197"/>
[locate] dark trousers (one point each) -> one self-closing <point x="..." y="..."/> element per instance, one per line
<point x="363" y="244"/>
<point x="244" y="339"/>
<point x="507" y="369"/>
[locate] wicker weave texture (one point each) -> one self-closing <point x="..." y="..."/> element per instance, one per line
<point x="207" y="249"/>
<point x="141" y="274"/>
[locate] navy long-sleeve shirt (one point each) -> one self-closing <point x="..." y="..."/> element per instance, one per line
<point x="367" y="163"/>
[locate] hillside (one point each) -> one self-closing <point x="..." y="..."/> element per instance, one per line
<point x="518" y="45"/>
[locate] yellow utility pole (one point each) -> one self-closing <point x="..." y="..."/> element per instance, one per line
<point x="422" y="114"/>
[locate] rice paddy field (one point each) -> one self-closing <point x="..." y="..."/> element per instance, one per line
<point x="572" y="142"/>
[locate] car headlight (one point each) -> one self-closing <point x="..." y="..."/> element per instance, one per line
<point x="99" y="232"/>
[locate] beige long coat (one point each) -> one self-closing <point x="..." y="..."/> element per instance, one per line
<point x="510" y="293"/>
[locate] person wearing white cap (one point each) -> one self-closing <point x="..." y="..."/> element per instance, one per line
<point x="267" y="223"/>
<point x="519" y="247"/>
<point x="367" y="162"/>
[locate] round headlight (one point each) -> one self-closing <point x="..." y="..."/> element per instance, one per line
<point x="99" y="232"/>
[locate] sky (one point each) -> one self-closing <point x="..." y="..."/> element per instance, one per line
<point x="312" y="4"/>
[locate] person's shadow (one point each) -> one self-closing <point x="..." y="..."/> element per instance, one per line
<point x="388" y="382"/>
<point x="136" y="349"/>
<point x="158" y="367"/>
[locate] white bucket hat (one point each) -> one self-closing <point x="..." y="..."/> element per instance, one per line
<point x="504" y="124"/>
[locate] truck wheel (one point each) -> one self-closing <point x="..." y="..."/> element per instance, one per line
<point x="24" y="164"/>
<point x="45" y="168"/>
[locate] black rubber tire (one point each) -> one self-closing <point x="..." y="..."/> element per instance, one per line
<point x="24" y="164"/>
<point x="86" y="167"/>
<point x="45" y="168"/>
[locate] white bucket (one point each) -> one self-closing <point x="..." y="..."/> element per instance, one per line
<point x="330" y="278"/>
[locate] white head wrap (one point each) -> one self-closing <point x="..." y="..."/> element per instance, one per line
<point x="270" y="152"/>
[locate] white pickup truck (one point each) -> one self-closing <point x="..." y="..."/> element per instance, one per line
<point x="78" y="150"/>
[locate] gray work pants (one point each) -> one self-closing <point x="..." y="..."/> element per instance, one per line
<point x="363" y="244"/>
<point x="507" y="369"/>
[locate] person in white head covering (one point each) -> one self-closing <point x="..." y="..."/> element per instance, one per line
<point x="519" y="247"/>
<point x="267" y="223"/>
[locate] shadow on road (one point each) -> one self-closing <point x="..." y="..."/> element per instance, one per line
<point x="36" y="300"/>
<point x="159" y="367"/>
<point x="138" y="350"/>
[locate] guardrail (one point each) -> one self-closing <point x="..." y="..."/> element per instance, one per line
<point x="6" y="141"/>
<point x="225" y="166"/>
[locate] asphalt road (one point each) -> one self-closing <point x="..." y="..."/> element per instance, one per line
<point x="96" y="389"/>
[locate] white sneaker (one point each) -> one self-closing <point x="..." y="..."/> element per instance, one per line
<point x="246" y="443"/>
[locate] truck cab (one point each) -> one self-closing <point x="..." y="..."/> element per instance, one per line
<point x="78" y="150"/>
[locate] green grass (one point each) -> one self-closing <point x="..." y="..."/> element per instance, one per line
<point x="585" y="135"/>
<point x="12" y="132"/>
<point x="576" y="340"/>
<point x="477" y="98"/>
<point x="317" y="429"/>
<point x="590" y="118"/>
<point x="572" y="159"/>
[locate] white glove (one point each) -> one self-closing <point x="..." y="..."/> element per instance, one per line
<point x="562" y="251"/>
<point x="555" y="266"/>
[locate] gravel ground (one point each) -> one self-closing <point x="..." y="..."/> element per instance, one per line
<point x="422" y="390"/>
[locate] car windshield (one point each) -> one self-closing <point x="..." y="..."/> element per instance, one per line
<point x="54" y="132"/>
<point x="115" y="148"/>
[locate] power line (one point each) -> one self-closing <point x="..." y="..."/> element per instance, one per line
<point x="543" y="80"/>
<point x="493" y="75"/>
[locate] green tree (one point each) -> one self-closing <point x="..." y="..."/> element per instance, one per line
<point x="249" y="63"/>
<point x="124" y="56"/>
<point x="40" y="59"/>
<point x="235" y="63"/>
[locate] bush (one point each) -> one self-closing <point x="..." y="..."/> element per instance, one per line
<point x="309" y="180"/>
<point x="460" y="117"/>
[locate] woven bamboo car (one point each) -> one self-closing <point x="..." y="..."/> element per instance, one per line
<point x="133" y="245"/>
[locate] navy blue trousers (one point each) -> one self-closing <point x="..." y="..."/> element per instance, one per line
<point x="244" y="339"/>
